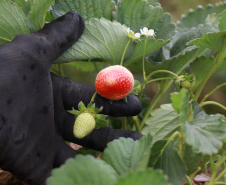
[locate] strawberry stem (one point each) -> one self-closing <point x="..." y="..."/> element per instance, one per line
<point x="123" y="123"/>
<point x="124" y="52"/>
<point x="93" y="97"/>
<point x="144" y="73"/>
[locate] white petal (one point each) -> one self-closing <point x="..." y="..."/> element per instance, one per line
<point x="128" y="29"/>
<point x="137" y="35"/>
<point x="151" y="32"/>
<point x="145" y="29"/>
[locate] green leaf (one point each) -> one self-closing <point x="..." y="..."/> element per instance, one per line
<point x="126" y="155"/>
<point x="102" y="40"/>
<point x="180" y="103"/>
<point x="199" y="68"/>
<point x="215" y="41"/>
<point x="193" y="160"/>
<point x="147" y="177"/>
<point x="156" y="151"/>
<point x="180" y="100"/>
<point x="152" y="46"/>
<point x="83" y="170"/>
<point x="12" y="21"/>
<point x="222" y="24"/>
<point x="37" y="14"/>
<point x="162" y="123"/>
<point x="172" y="165"/>
<point x="198" y="16"/>
<point x="86" y="8"/>
<point x="25" y="5"/>
<point x="137" y="14"/>
<point x="183" y="36"/>
<point x="205" y="134"/>
<point x="175" y="64"/>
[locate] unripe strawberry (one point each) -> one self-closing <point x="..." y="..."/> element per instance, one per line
<point x="84" y="124"/>
<point x="114" y="82"/>
<point x="185" y="84"/>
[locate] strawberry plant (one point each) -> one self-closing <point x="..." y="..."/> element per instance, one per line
<point x="180" y="139"/>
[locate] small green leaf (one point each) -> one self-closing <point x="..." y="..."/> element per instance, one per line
<point x="126" y="155"/>
<point x="205" y="134"/>
<point x="222" y="24"/>
<point x="37" y="14"/>
<point x="81" y="106"/>
<point x="83" y="170"/>
<point x="12" y="21"/>
<point x="162" y="122"/>
<point x="147" y="177"/>
<point x="180" y="103"/>
<point x="215" y="41"/>
<point x="91" y="107"/>
<point x="172" y="165"/>
<point x="75" y="112"/>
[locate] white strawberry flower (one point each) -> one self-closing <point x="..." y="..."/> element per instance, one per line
<point x="132" y="35"/>
<point x="147" y="32"/>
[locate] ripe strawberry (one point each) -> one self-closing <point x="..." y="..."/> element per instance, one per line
<point x="84" y="124"/>
<point x="114" y="82"/>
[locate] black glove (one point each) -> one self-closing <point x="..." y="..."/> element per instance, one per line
<point x="34" y="123"/>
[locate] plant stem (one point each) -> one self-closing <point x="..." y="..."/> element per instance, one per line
<point x="189" y="180"/>
<point x="191" y="93"/>
<point x="93" y="97"/>
<point x="150" y="75"/>
<point x="219" y="59"/>
<point x="137" y="124"/>
<point x="158" y="79"/>
<point x="195" y="172"/>
<point x="123" y="55"/>
<point x="170" y="139"/>
<point x="145" y="43"/>
<point x="219" y="86"/>
<point x="123" y="123"/>
<point x="215" y="169"/>
<point x="219" y="176"/>
<point x="212" y="103"/>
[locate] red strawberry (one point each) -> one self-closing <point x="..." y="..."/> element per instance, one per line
<point x="114" y="82"/>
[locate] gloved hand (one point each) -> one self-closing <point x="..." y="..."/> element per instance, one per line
<point x="34" y="123"/>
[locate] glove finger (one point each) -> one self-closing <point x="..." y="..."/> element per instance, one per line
<point x="63" y="32"/>
<point x="64" y="151"/>
<point x="74" y="92"/>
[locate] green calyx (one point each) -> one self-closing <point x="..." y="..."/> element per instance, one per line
<point x="91" y="109"/>
<point x="184" y="81"/>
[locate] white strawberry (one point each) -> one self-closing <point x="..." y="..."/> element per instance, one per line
<point x="84" y="124"/>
